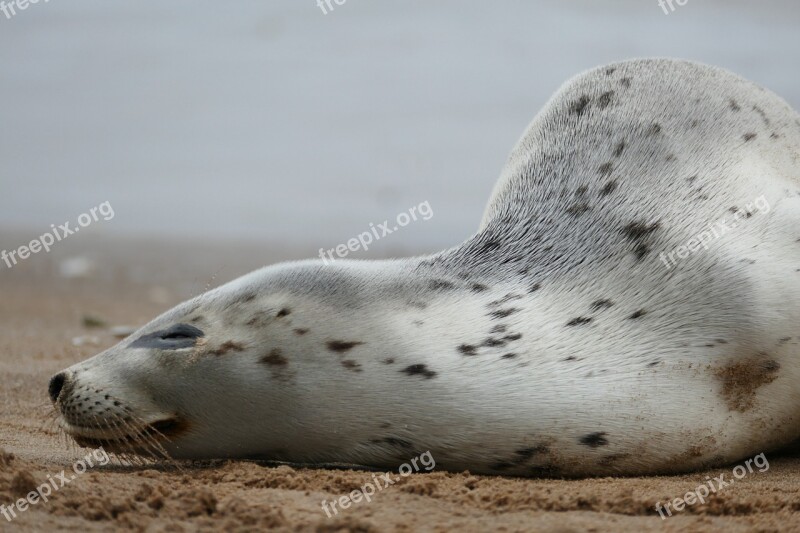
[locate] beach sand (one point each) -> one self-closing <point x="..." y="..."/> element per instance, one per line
<point x="41" y="312"/>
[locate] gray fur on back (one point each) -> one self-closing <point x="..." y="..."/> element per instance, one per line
<point x="650" y="142"/>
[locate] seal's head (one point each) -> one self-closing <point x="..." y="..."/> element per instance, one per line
<point x="235" y="372"/>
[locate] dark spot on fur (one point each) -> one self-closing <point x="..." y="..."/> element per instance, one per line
<point x="283" y="312"/>
<point x="638" y="230"/>
<point x="578" y="209"/>
<point x="197" y="319"/>
<point x="580" y="191"/>
<point x="571" y="358"/>
<point x="654" y="363"/>
<point x="492" y="342"/>
<point x="488" y="247"/>
<point x="749" y="137"/>
<point x="619" y="149"/>
<point x="784" y="340"/>
<point x="419" y="370"/>
<point x="342" y="346"/>
<point x="418" y="305"/>
<point x="349" y="364"/>
<point x="606" y="168"/>
<point x="671" y="157"/>
<point x="477" y="287"/>
<point x="535" y="287"/>
<point x="526" y="453"/>
<point x="595" y="440"/>
<point x="774" y="136"/>
<point x="601" y="304"/>
<point x="275" y="358"/>
<point x="625" y="82"/>
<point x="468" y="349"/>
<point x="638" y="314"/>
<point x="502" y="313"/>
<point x="641" y="250"/>
<point x="258" y="320"/>
<point x="579" y="106"/>
<point x="655" y="129"/>
<point x="763" y="115"/>
<point x="520" y="457"/>
<point x="507" y="298"/>
<point x="509" y="356"/>
<point x="608" y="188"/>
<point x="610" y="71"/>
<point x="733" y="105"/>
<point x="228" y="346"/>
<point x="301" y="331"/>
<point x="579" y="321"/>
<point x="692" y="179"/>
<point x="513" y="337"/>
<point x="741" y="380"/>
<point x="393" y="441"/>
<point x="605" y="99"/>
<point x="248" y="297"/>
<point x="388" y="361"/>
<point x="440" y="284"/>
<point x="721" y="341"/>
<point x="500" y="328"/>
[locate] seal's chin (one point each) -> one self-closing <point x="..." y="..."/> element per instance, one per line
<point x="140" y="439"/>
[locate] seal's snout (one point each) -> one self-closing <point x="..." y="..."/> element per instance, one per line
<point x="57" y="383"/>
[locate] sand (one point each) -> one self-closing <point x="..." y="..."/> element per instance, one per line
<point x="40" y="314"/>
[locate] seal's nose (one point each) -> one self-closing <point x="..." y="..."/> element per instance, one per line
<point x="56" y="384"/>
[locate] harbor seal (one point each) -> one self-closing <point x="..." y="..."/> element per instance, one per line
<point x="629" y="305"/>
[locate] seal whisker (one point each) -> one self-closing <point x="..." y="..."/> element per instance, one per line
<point x="130" y="436"/>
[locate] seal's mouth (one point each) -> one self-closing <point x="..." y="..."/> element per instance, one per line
<point x="138" y="440"/>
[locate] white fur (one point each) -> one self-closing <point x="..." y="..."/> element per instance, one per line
<point x="615" y="394"/>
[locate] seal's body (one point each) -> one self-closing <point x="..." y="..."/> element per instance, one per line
<point x="629" y="305"/>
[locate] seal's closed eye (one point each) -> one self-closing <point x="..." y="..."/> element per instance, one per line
<point x="174" y="337"/>
<point x="180" y="331"/>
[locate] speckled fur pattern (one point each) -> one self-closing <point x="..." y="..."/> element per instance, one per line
<point x="553" y="342"/>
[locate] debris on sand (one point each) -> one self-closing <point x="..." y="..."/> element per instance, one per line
<point x="93" y="322"/>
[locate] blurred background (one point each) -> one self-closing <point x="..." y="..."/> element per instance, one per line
<point x="277" y="124"/>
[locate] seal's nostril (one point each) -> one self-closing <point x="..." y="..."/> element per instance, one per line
<point x="56" y="384"/>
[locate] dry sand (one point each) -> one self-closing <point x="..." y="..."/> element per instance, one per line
<point x="40" y="314"/>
